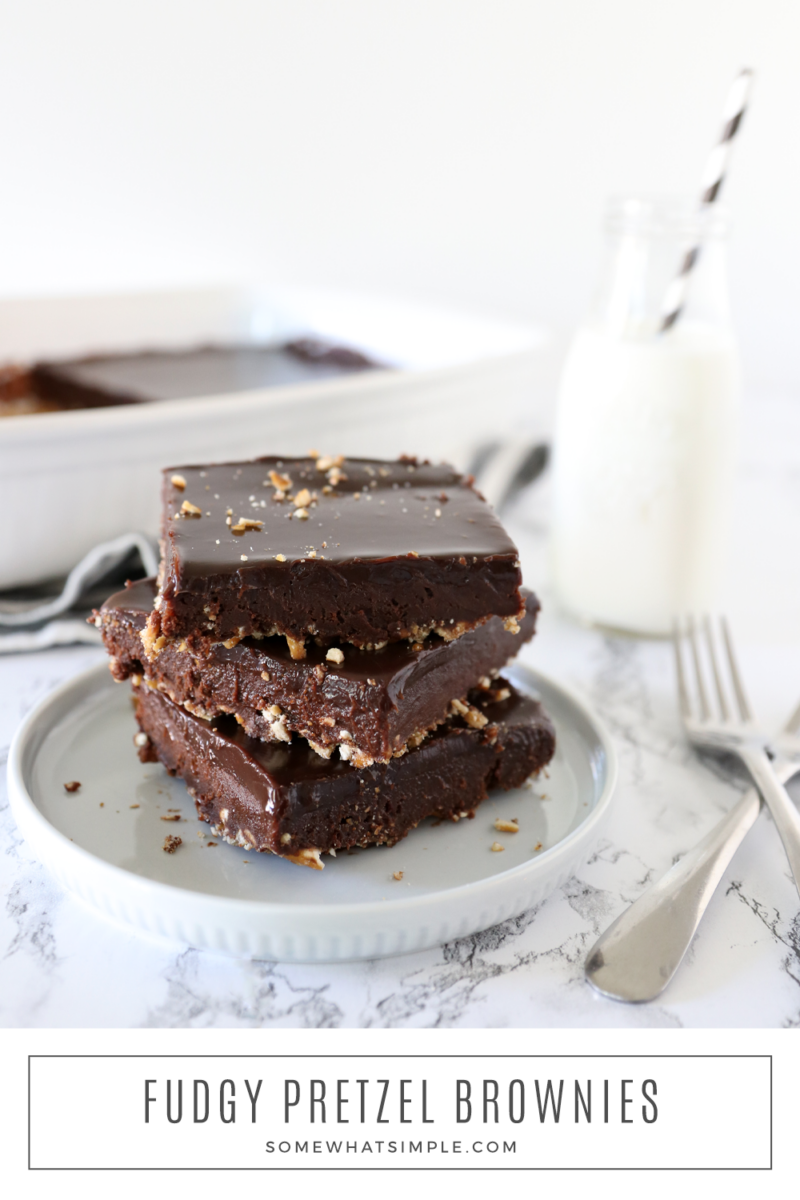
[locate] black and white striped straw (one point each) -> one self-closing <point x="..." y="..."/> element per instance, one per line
<point x="713" y="179"/>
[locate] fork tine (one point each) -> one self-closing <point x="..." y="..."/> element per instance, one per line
<point x="705" y="711"/>
<point x="712" y="654"/>
<point x="744" y="707"/>
<point x="793" y="724"/>
<point x="683" y="694"/>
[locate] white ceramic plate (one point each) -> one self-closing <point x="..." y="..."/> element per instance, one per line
<point x="104" y="842"/>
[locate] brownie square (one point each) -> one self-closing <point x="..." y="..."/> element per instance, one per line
<point x="346" y="550"/>
<point x="369" y="703"/>
<point x="288" y="800"/>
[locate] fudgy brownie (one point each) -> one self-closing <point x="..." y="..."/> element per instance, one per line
<point x="369" y="703"/>
<point x="287" y="800"/>
<point x="345" y="550"/>
<point x="110" y="379"/>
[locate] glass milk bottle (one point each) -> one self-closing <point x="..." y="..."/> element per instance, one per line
<point x="646" y="428"/>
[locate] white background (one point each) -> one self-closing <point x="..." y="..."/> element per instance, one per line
<point x="454" y="150"/>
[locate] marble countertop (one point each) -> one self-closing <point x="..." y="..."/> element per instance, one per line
<point x="63" y="966"/>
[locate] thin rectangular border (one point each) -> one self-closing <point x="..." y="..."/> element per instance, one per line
<point x="294" y="1057"/>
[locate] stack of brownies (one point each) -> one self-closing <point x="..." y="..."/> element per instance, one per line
<point x="319" y="659"/>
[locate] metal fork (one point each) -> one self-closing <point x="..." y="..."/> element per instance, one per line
<point x="726" y="734"/>
<point x="640" y="952"/>
<point x="637" y="956"/>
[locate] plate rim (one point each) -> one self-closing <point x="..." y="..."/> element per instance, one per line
<point x="21" y="799"/>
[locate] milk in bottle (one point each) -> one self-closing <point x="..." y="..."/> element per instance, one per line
<point x="646" y="429"/>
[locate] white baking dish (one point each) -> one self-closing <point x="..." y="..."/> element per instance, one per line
<point x="69" y="480"/>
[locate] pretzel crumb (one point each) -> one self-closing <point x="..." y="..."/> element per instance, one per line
<point x="281" y="482"/>
<point x="191" y="510"/>
<point x="398" y="875"/>
<point x="326" y="461"/>
<point x="297" y="646"/>
<point x="506" y="826"/>
<point x="473" y="718"/>
<point x="171" y="844"/>
<point x="496" y="847"/>
<point x="74" y="786"/>
<point x="178" y="482"/>
<point x="307" y="858"/>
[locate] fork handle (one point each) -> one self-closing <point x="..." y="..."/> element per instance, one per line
<point x="777" y="799"/>
<point x="637" y="956"/>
